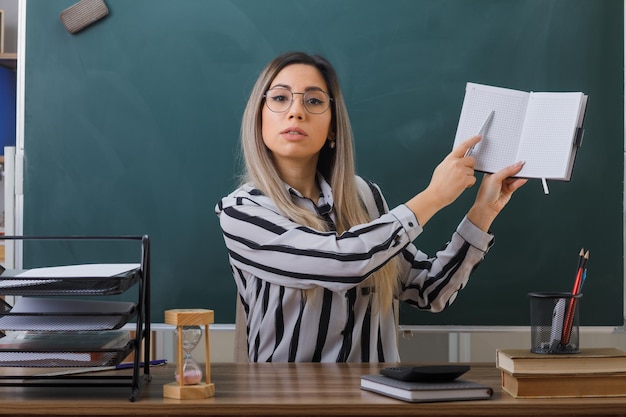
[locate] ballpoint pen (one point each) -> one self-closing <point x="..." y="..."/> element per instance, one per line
<point x="481" y="131"/>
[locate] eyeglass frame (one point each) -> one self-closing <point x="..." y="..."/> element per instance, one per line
<point x="330" y="99"/>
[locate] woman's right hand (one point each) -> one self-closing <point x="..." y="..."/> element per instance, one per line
<point x="450" y="178"/>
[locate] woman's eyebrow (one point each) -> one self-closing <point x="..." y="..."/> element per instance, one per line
<point x="314" y="88"/>
<point x="281" y="86"/>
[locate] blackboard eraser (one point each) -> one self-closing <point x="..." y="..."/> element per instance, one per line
<point x="82" y="14"/>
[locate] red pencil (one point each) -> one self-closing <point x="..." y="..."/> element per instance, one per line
<point x="569" y="317"/>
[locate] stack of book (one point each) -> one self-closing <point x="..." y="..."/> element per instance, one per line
<point x="593" y="372"/>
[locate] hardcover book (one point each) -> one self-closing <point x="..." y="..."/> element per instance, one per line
<point x="543" y="129"/>
<point x="587" y="361"/>
<point x="565" y="385"/>
<point x="456" y="390"/>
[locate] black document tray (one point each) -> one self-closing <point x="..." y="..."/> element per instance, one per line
<point x="50" y="358"/>
<point x="117" y="284"/>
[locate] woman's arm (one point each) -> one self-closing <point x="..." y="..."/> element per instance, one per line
<point x="432" y="283"/>
<point x="262" y="241"/>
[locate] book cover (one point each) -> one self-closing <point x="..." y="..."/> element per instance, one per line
<point x="587" y="361"/>
<point x="456" y="390"/>
<point x="542" y="129"/>
<point x="565" y="385"/>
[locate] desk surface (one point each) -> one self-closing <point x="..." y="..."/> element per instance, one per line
<point x="286" y="389"/>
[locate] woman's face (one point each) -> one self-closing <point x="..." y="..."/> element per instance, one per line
<point x="296" y="136"/>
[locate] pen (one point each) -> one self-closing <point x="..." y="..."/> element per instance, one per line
<point x="128" y="365"/>
<point x="123" y="365"/>
<point x="481" y="131"/>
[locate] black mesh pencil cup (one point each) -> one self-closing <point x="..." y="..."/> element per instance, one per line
<point x="554" y="319"/>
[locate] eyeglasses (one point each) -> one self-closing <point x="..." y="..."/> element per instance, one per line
<point x="279" y="100"/>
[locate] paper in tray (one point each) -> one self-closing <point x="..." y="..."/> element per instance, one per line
<point x="51" y="349"/>
<point x="64" y="359"/>
<point x="51" y="314"/>
<point x="84" y="279"/>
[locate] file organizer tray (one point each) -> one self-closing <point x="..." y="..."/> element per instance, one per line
<point x="51" y="314"/>
<point x="76" y="316"/>
<point x="43" y="322"/>
<point x="52" y="358"/>
<point x="10" y="284"/>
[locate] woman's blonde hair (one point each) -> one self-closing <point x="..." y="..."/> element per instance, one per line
<point x="335" y="164"/>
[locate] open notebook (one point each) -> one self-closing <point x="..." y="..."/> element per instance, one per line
<point x="543" y="129"/>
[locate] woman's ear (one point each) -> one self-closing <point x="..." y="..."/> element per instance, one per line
<point x="332" y="134"/>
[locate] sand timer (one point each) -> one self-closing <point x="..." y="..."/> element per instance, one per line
<point x="188" y="373"/>
<point x="192" y="374"/>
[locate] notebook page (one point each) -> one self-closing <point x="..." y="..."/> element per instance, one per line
<point x="498" y="148"/>
<point x="548" y="137"/>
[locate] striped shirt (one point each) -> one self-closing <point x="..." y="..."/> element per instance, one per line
<point x="305" y="292"/>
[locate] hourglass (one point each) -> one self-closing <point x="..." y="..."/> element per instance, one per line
<point x="188" y="373"/>
<point x="192" y="374"/>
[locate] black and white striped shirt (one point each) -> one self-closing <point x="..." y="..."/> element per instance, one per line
<point x="274" y="261"/>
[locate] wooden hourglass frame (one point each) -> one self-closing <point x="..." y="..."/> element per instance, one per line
<point x="181" y="318"/>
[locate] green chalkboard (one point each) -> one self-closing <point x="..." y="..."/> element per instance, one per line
<point x="131" y="127"/>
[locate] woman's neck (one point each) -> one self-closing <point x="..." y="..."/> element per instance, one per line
<point x="303" y="180"/>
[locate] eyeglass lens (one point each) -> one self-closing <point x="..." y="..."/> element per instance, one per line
<point x="279" y="100"/>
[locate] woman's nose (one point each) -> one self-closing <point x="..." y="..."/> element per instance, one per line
<point x="297" y="107"/>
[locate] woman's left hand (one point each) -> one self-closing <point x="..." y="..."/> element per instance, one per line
<point x="494" y="193"/>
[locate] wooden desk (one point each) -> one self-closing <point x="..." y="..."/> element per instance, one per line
<point x="287" y="389"/>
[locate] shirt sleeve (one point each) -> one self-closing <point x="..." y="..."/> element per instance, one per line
<point x="433" y="283"/>
<point x="265" y="243"/>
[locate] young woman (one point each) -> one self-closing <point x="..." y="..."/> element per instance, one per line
<point x="317" y="256"/>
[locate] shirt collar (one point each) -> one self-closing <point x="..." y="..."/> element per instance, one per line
<point x="325" y="202"/>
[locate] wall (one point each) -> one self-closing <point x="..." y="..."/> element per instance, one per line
<point x="10" y="24"/>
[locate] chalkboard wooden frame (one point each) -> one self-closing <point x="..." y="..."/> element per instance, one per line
<point x="113" y="129"/>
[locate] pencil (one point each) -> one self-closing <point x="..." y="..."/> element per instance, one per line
<point x="582" y="268"/>
<point x="584" y="278"/>
<point x="569" y="317"/>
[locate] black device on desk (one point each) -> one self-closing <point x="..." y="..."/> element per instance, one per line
<point x="425" y="373"/>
